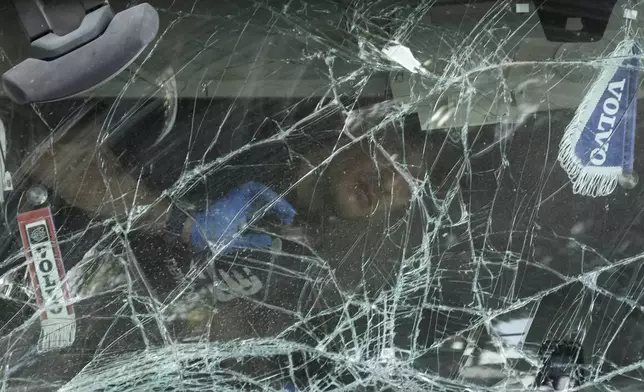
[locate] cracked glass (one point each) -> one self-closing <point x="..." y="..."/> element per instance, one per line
<point x="332" y="196"/>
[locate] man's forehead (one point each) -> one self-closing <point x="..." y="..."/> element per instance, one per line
<point x="399" y="155"/>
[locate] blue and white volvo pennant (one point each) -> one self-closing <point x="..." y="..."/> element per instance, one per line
<point x="597" y="146"/>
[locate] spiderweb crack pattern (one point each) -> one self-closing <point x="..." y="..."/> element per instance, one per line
<point x="426" y="300"/>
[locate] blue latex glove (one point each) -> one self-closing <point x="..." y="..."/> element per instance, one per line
<point x="225" y="218"/>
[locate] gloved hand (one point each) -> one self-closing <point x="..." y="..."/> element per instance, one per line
<point x="225" y="218"/>
<point x="290" y="387"/>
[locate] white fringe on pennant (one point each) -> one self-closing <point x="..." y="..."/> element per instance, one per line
<point x="57" y="332"/>
<point x="591" y="181"/>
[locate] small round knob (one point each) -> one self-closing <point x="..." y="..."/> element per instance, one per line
<point x="37" y="195"/>
<point x="629" y="181"/>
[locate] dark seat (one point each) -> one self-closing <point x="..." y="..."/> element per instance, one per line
<point x="76" y="45"/>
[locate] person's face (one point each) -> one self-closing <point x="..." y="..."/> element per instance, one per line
<point x="363" y="182"/>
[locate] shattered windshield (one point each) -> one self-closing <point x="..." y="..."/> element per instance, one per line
<point x="321" y="196"/>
